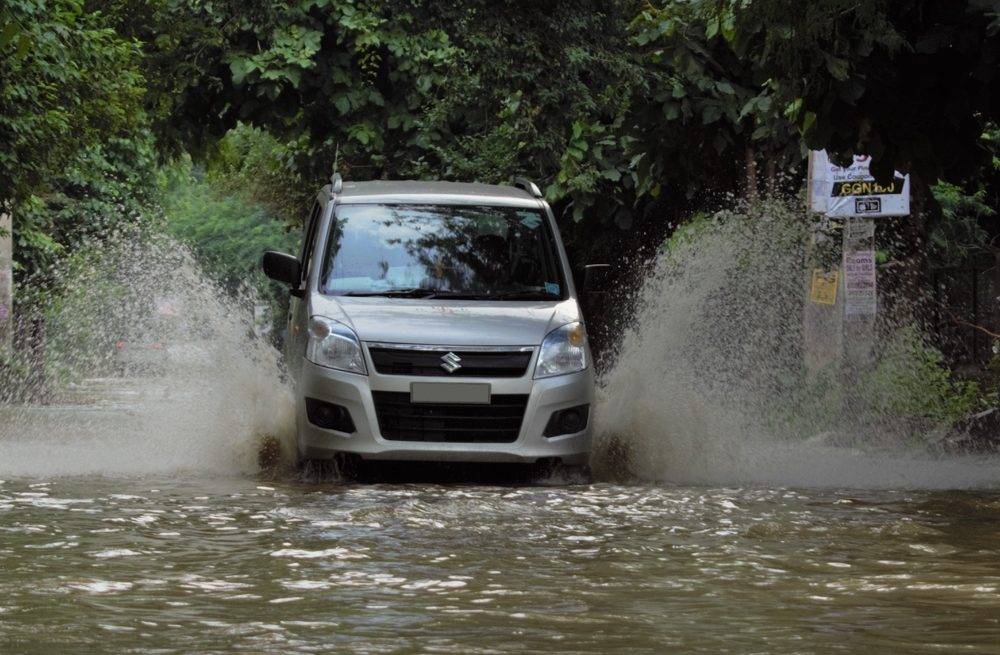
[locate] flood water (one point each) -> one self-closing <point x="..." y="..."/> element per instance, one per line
<point x="201" y="565"/>
<point x="764" y="519"/>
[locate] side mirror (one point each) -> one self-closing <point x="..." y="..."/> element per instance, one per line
<point x="596" y="277"/>
<point x="282" y="268"/>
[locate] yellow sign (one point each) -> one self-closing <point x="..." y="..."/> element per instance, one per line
<point x="824" y="286"/>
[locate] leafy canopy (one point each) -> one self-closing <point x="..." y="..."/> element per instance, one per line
<point x="67" y="82"/>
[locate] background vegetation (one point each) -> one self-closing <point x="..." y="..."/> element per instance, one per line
<point x="631" y="115"/>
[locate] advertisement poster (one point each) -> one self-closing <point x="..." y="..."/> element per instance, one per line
<point x="860" y="298"/>
<point x="852" y="192"/>
<point x="824" y="287"/>
<point x="6" y="277"/>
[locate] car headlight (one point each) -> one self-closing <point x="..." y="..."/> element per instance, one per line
<point x="564" y="350"/>
<point x="334" y="345"/>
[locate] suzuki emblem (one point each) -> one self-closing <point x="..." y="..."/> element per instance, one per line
<point x="451" y="362"/>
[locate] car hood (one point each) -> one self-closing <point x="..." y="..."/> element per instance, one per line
<point x="447" y="322"/>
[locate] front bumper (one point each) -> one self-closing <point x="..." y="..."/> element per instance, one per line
<point x="354" y="392"/>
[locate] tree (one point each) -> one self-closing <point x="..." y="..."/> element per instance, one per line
<point x="101" y="189"/>
<point x="67" y="82"/>
<point x="475" y="90"/>
<point x="226" y="232"/>
<point x="709" y="99"/>
<point x="910" y="82"/>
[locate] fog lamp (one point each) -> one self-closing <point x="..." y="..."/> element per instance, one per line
<point x="329" y="416"/>
<point x="567" y="421"/>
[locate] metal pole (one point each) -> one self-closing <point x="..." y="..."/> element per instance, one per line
<point x="860" y="309"/>
<point x="6" y="282"/>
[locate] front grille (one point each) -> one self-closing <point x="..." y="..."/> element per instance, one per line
<point x="401" y="420"/>
<point x="472" y="363"/>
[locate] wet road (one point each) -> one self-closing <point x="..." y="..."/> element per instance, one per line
<point x="202" y="565"/>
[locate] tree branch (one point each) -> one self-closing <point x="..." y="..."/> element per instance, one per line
<point x="962" y="322"/>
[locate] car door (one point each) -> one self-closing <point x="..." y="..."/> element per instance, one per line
<point x="298" y="319"/>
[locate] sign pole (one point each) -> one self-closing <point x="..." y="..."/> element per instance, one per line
<point x="6" y="282"/>
<point x="860" y="307"/>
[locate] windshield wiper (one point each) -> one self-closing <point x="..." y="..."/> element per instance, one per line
<point x="501" y="295"/>
<point x="415" y="292"/>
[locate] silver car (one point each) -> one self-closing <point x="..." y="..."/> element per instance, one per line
<point x="436" y="321"/>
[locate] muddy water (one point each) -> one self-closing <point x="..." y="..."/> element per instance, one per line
<point x="156" y="565"/>
<point x="132" y="520"/>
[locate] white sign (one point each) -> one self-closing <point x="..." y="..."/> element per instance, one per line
<point x="858" y="230"/>
<point x="852" y="191"/>
<point x="860" y="297"/>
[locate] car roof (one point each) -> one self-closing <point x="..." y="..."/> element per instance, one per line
<point x="414" y="191"/>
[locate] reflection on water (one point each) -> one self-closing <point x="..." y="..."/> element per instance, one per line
<point x="147" y="564"/>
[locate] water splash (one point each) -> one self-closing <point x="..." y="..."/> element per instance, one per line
<point x="165" y="371"/>
<point x="708" y="385"/>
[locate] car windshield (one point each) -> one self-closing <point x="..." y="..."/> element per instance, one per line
<point x="456" y="251"/>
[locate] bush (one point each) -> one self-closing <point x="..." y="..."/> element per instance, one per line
<point x="912" y="381"/>
<point x="228" y="233"/>
<point x="14" y="374"/>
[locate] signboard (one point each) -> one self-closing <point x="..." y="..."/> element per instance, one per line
<point x="824" y="287"/>
<point x="852" y="191"/>
<point x="860" y="297"/>
<point x="858" y="233"/>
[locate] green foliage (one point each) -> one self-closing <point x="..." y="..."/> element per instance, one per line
<point x="545" y="92"/>
<point x="604" y="103"/>
<point x="75" y="162"/>
<point x="227" y="232"/>
<point x="251" y="164"/>
<point x="342" y="73"/>
<point x="910" y="83"/>
<point x="708" y="97"/>
<point x="850" y="77"/>
<point x="596" y="170"/>
<point x="478" y="90"/>
<point x="689" y="232"/>
<point x="626" y="112"/>
<point x="67" y="83"/>
<point x="911" y="380"/>
<point x="966" y="229"/>
<point x="102" y="189"/>
<point x="15" y="377"/>
<point x="961" y="234"/>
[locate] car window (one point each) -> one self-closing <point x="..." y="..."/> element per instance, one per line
<point x="308" y="241"/>
<point x="483" y="251"/>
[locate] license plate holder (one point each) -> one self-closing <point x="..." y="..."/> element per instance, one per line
<point x="458" y="393"/>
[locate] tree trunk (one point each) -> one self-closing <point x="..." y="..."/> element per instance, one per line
<point x="771" y="175"/>
<point x="751" y="163"/>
